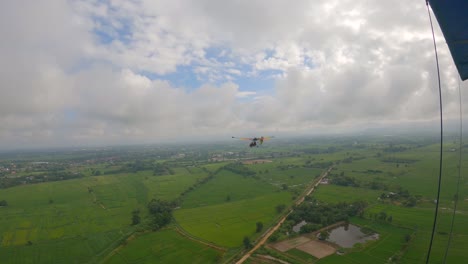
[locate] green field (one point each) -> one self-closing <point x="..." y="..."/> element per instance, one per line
<point x="207" y="214"/>
<point x="165" y="246"/>
<point x="420" y="220"/>
<point x="420" y="178"/>
<point x="88" y="220"/>
<point x="66" y="215"/>
<point x="334" y="194"/>
<point x="227" y="184"/>
<point x="227" y="224"/>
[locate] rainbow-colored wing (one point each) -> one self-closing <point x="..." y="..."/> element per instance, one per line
<point x="243" y="138"/>
<point x="263" y="139"/>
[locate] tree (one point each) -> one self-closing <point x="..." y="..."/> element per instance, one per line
<point x="407" y="237"/>
<point x="284" y="186"/>
<point x="161" y="212"/>
<point x="228" y="198"/>
<point x="259" y="227"/>
<point x="136" y="217"/>
<point x="389" y="219"/>
<point x="3" y="203"/>
<point x="247" y="243"/>
<point x="382" y="216"/>
<point x="280" y="208"/>
<point x="324" y="235"/>
<point x="307" y="228"/>
<point x="411" y="201"/>
<point x="274" y="237"/>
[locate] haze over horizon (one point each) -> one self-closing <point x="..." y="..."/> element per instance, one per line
<point x="107" y="72"/>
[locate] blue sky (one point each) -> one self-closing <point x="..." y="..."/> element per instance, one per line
<point x="145" y="71"/>
<point x="186" y="76"/>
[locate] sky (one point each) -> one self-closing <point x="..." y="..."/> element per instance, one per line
<point x="145" y="71"/>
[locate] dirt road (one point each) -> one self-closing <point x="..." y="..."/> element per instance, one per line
<point x="272" y="230"/>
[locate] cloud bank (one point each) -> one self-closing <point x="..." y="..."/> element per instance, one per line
<point x="115" y="71"/>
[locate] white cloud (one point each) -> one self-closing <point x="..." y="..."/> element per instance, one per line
<point x="95" y="71"/>
<point x="245" y="94"/>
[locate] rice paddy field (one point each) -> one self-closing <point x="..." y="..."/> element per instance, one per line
<point x="227" y="208"/>
<point x="165" y="246"/>
<point x="88" y="220"/>
<point x="51" y="222"/>
<point x="227" y="224"/>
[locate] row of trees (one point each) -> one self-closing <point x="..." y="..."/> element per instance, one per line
<point x="240" y="169"/>
<point x="319" y="165"/>
<point x="143" y="165"/>
<point x="38" y="178"/>
<point x="162" y="169"/>
<point x="318" y="215"/>
<point x="403" y="196"/>
<point x="344" y="180"/>
<point x="398" y="160"/>
<point x="136" y="219"/>
<point x="381" y="216"/>
<point x="199" y="182"/>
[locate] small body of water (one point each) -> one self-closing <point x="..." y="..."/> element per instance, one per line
<point x="347" y="236"/>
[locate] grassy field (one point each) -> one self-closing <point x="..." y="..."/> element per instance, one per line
<point x="421" y="220"/>
<point x="292" y="177"/>
<point x="227" y="185"/>
<point x="66" y="215"/>
<point x="227" y="224"/>
<point x="64" y="250"/>
<point x="68" y="208"/>
<point x="420" y="178"/>
<point x="226" y="209"/>
<point x="334" y="194"/>
<point x="83" y="220"/>
<point x="165" y="246"/>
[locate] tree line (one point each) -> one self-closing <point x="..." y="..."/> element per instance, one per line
<point x="240" y="169"/>
<point x="38" y="178"/>
<point x="399" y="194"/>
<point x="319" y="215"/>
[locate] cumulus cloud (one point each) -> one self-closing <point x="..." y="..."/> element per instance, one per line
<point x="74" y="72"/>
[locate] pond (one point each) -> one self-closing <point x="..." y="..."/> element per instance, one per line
<point x="348" y="235"/>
